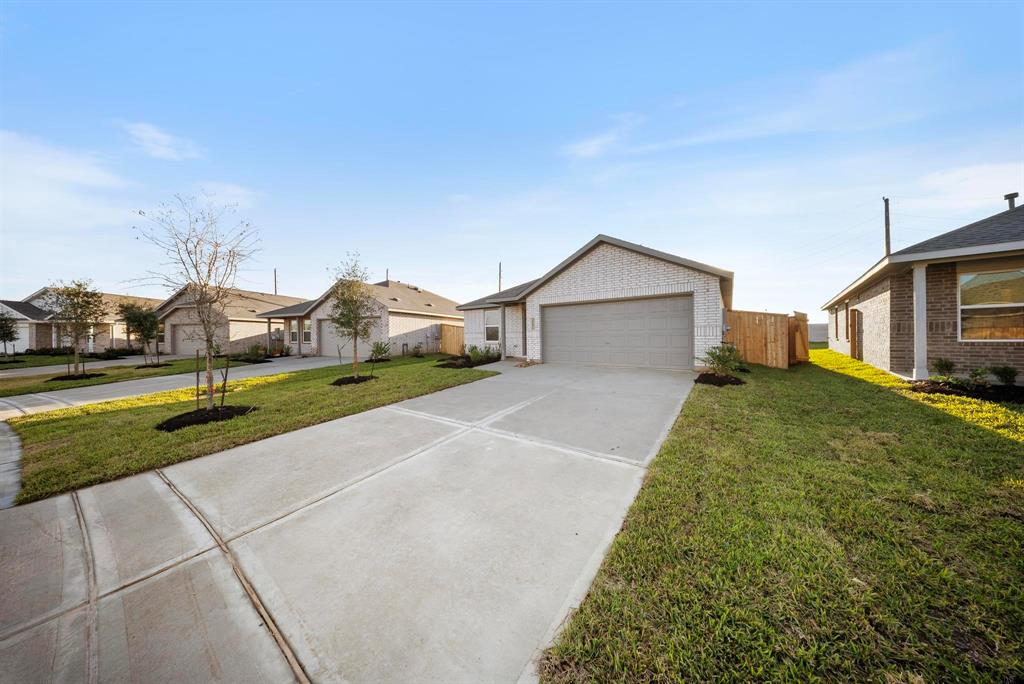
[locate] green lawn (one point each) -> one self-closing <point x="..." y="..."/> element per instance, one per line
<point x="38" y="383"/>
<point x="34" y="360"/>
<point x="72" y="448"/>
<point x="816" y="523"/>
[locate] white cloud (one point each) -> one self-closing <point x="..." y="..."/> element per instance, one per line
<point x="596" y="145"/>
<point x="160" y="144"/>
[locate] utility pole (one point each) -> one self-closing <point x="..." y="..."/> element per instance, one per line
<point x="275" y="281"/>
<point x="499" y="276"/>
<point x="888" y="246"/>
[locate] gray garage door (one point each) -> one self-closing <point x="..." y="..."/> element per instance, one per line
<point x="656" y="333"/>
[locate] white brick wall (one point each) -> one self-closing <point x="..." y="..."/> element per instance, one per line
<point x="610" y="272"/>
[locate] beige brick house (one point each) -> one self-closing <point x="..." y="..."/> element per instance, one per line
<point x="958" y="296"/>
<point x="407" y="316"/>
<point x="37" y="331"/>
<point x="612" y="302"/>
<point x="243" y="325"/>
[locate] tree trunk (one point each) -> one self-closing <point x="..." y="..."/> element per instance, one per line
<point x="209" y="378"/>
<point x="76" y="357"/>
<point x="355" y="356"/>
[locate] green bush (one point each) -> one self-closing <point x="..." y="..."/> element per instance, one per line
<point x="478" y="355"/>
<point x="1005" y="374"/>
<point x="978" y="377"/>
<point x="942" y="366"/>
<point x="724" y="359"/>
<point x="380" y="351"/>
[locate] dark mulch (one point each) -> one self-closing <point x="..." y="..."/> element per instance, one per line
<point x="152" y="365"/>
<point x="353" y="380"/>
<point x="80" y="376"/>
<point x="718" y="380"/>
<point x="462" y="362"/>
<point x="377" y="360"/>
<point x="1006" y="393"/>
<point x="11" y="361"/>
<point x="203" y="416"/>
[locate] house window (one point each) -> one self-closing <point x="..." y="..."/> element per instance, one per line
<point x="490" y="325"/>
<point x="992" y="305"/>
<point x="160" y="333"/>
<point x="307" y="331"/>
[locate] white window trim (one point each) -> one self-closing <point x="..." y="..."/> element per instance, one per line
<point x="496" y="326"/>
<point x="960" y="307"/>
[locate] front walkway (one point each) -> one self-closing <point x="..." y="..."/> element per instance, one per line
<point x="444" y="538"/>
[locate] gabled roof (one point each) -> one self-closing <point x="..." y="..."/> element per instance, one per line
<point x="111" y="302"/>
<point x="1000" y="233"/>
<point x="243" y="304"/>
<point x="520" y="292"/>
<point x="1006" y="226"/>
<point x="29" y="311"/>
<point x="394" y="295"/>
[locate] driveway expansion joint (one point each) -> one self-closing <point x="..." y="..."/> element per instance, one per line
<point x="89" y="560"/>
<point x="282" y="643"/>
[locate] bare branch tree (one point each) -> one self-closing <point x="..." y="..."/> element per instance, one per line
<point x="203" y="261"/>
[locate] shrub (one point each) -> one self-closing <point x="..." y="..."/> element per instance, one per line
<point x="723" y="359"/>
<point x="978" y="377"/>
<point x="417" y="351"/>
<point x="380" y="351"/>
<point x="286" y="350"/>
<point x="942" y="366"/>
<point x="1005" y="374"/>
<point x="478" y="355"/>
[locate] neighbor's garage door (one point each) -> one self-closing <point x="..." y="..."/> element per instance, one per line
<point x="330" y="340"/>
<point x="187" y="339"/>
<point x="655" y="333"/>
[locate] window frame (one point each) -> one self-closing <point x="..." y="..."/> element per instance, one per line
<point x="496" y="325"/>
<point x="161" y="333"/>
<point x="960" y="306"/>
<point x="307" y="331"/>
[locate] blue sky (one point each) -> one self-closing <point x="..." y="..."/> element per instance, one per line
<point x="439" y="139"/>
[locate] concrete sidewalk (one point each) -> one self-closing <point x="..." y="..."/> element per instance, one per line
<point x="444" y="538"/>
<point x="47" y="401"/>
<point x="13" y="371"/>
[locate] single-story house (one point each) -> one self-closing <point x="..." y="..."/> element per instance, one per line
<point x="612" y="303"/>
<point x="407" y="316"/>
<point x="958" y="296"/>
<point x="243" y="325"/>
<point x="36" y="330"/>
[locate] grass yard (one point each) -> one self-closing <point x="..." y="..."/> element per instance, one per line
<point x="32" y="384"/>
<point x="816" y="523"/>
<point x="76" y="447"/>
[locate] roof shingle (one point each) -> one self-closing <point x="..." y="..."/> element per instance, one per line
<point x="1006" y="226"/>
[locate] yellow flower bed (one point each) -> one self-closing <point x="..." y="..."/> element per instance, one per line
<point x="1006" y="419"/>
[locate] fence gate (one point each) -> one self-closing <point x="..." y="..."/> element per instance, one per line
<point x="452" y="339"/>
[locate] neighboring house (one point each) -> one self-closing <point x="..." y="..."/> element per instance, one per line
<point x="407" y="316"/>
<point x="958" y="296"/>
<point x="243" y="324"/>
<point x="611" y="303"/>
<point x="36" y="330"/>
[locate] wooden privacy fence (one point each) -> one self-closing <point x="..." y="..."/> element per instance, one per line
<point x="768" y="339"/>
<point x="451" y="339"/>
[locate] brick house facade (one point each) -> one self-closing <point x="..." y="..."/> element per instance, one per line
<point x="918" y="292"/>
<point x="604" y="270"/>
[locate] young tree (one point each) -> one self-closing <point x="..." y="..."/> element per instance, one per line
<point x="353" y="306"/>
<point x="8" y="329"/>
<point x="203" y="261"/>
<point x="142" y="321"/>
<point x="76" y="308"/>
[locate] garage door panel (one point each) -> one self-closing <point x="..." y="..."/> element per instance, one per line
<point x="645" y="332"/>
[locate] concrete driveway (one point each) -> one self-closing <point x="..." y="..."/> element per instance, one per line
<point x="443" y="539"/>
<point x="48" y="401"/>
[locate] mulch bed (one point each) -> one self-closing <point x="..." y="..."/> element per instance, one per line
<point x="203" y="416"/>
<point x="80" y="376"/>
<point x="1004" y="393"/>
<point x="377" y="360"/>
<point x="718" y="380"/>
<point x="462" y="362"/>
<point x="5" y="361"/>
<point x="353" y="380"/>
<point x="152" y="365"/>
